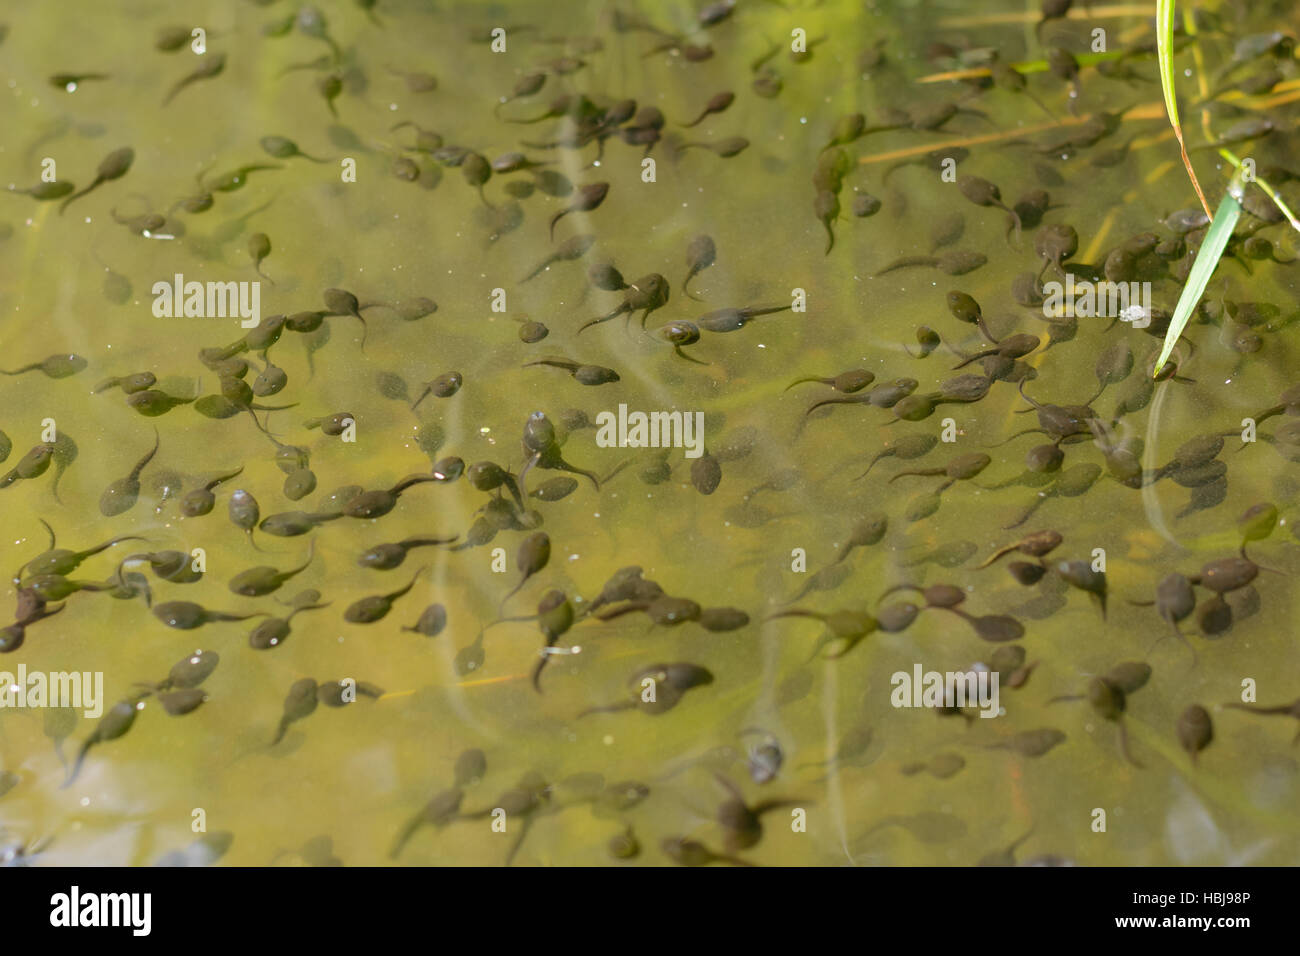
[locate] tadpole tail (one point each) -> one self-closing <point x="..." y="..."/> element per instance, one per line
<point x="801" y="381"/>
<point x="1123" y="747"/>
<point x="972" y="358"/>
<point x="515" y="488"/>
<point x="538" y="271"/>
<point x="1029" y="513"/>
<point x="423" y="395"/>
<point x="64" y="205"/>
<point x="907" y="262"/>
<point x="563" y="465"/>
<point x="983" y="327"/>
<point x="1040" y="104"/>
<point x="793" y="612"/>
<point x="884" y="454"/>
<point x="686" y="282"/>
<point x="1001" y="552"/>
<point x="556" y="218"/>
<point x="617" y="469"/>
<point x="81" y="759"/>
<point x="610" y="613"/>
<point x="604" y="318"/>
<point x="513" y="592"/>
<point x="922" y="472"/>
<point x="1015" y="221"/>
<point x="519" y="840"/>
<point x="853" y="400"/>
<point x="281" y="731"/>
<point x="1257" y="709"/>
<point x="609" y="708"/>
<point x="223" y="616"/>
<point x="405" y="834"/>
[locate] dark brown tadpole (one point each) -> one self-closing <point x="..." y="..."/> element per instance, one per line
<point x="63" y="561"/>
<point x="1113" y="366"/>
<point x="700" y="254"/>
<point x="865" y="533"/>
<point x="440" y="811"/>
<point x="964" y="308"/>
<point x="850" y="382"/>
<point x="265" y="579"/>
<point x="826" y="207"/>
<point x="61" y="365"/>
<point x="290" y="524"/>
<point x="113" y="166"/>
<point x="734" y="319"/>
<point x="245" y="513"/>
<point x="957" y="263"/>
<point x="659" y="688"/>
<point x="122" y="494"/>
<point x="259" y="247"/>
<point x="444" y="386"/>
<point x="1227" y="574"/>
<point x="342" y="302"/>
<point x="984" y="193"/>
<point x="849" y="626"/>
<point x="645" y="295"/>
<point x="741" y="821"/>
<point x="1054" y="244"/>
<point x="379" y="502"/>
<point x="375" y="607"/>
<point x="282" y="148"/>
<point x="1108" y="700"/>
<point x="533" y="555"/>
<point x="1175" y="601"/>
<point x="1195" y="730"/>
<point x="385" y="557"/>
<point x="588" y="197"/>
<point x="1035" y="545"/>
<point x="530" y="84"/>
<point x="1082" y="575"/>
<point x="679" y="334"/>
<point x="603" y="276"/>
<point x="299" y="704"/>
<point x="961" y="468"/>
<point x="1286" y="710"/>
<point x="555" y="615"/>
<point x="210" y="65"/>
<point x="186" y="615"/>
<point x="572" y="248"/>
<point x="717" y="103"/>
<point x="906" y="448"/>
<point x="116" y="722"/>
<point x="726" y="148"/>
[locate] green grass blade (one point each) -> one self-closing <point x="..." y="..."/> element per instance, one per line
<point x="1165" y="55"/>
<point x="1207" y="260"/>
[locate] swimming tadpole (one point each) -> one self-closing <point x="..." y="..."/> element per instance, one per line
<point x="113" y="166"/>
<point x="660" y="688"/>
<point x="121" y="495"/>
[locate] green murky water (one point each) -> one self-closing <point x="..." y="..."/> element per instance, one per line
<point x="345" y="780"/>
